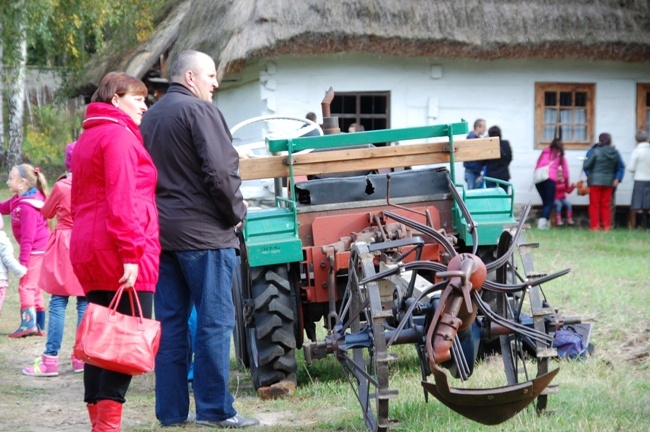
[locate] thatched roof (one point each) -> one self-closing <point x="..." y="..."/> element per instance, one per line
<point x="237" y="30"/>
<point x="137" y="61"/>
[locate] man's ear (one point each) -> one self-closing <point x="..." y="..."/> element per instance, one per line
<point x="189" y="78"/>
<point x="115" y="101"/>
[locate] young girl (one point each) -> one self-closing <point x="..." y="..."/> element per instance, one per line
<point x="57" y="278"/>
<point x="562" y="188"/>
<point x="7" y="263"/>
<point x="30" y="229"/>
<point x="553" y="158"/>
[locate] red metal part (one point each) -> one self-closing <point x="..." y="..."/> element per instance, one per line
<point x="487" y="406"/>
<point x="446" y="331"/>
<point x="332" y="234"/>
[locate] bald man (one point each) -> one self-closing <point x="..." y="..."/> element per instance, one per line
<point x="200" y="205"/>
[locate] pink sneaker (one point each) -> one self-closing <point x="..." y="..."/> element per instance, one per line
<point x="77" y="365"/>
<point x="44" y="366"/>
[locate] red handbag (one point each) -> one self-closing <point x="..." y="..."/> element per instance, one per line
<point x="118" y="342"/>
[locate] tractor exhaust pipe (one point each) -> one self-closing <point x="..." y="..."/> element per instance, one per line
<point x="330" y="124"/>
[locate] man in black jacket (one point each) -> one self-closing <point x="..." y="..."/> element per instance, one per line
<point x="498" y="168"/>
<point x="200" y="205"/>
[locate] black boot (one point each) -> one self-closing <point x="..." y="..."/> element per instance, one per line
<point x="640" y="221"/>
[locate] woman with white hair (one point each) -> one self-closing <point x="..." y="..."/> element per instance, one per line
<point x="640" y="167"/>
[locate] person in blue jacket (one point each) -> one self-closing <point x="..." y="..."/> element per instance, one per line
<point x="474" y="169"/>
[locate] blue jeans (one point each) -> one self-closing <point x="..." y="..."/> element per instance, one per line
<point x="205" y="278"/>
<point x="58" y="304"/>
<point x="470" y="179"/>
<point x="192" y="324"/>
<point x="562" y="203"/>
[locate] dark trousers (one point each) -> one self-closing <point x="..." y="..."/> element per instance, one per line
<point x="546" y="190"/>
<point x="100" y="384"/>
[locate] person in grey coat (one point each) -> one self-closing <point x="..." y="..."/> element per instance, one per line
<point x="601" y="165"/>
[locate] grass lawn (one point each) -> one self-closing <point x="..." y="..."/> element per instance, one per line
<point x="610" y="391"/>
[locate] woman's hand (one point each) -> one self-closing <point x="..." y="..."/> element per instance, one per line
<point x="130" y="275"/>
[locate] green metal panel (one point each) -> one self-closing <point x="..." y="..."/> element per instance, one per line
<point x="491" y="208"/>
<point x="271" y="235"/>
<point x="369" y="137"/>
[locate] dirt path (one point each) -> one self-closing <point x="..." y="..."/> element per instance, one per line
<point x="37" y="404"/>
<point x="29" y="404"/>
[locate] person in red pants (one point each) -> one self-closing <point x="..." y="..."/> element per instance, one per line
<point x="601" y="166"/>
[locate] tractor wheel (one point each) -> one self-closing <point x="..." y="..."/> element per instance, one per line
<point x="272" y="341"/>
<point x="515" y="349"/>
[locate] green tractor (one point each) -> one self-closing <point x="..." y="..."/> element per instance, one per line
<point x="382" y="251"/>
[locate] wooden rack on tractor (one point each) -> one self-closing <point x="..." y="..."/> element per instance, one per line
<point x="403" y="256"/>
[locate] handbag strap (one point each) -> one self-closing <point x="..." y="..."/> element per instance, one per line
<point x="133" y="300"/>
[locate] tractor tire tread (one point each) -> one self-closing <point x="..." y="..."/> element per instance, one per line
<point x="273" y="336"/>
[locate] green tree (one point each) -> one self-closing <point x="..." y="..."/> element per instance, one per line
<point x="60" y="34"/>
<point x="68" y="32"/>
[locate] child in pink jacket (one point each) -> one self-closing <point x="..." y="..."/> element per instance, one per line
<point x="59" y="280"/>
<point x="30" y="229"/>
<point x="562" y="188"/>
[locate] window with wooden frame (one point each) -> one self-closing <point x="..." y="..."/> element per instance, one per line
<point x="370" y="109"/>
<point x="643" y="107"/>
<point x="564" y="111"/>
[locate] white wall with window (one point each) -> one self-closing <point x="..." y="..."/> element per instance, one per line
<point x="590" y="97"/>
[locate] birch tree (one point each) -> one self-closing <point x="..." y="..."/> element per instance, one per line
<point x="62" y="34"/>
<point x="2" y="93"/>
<point x="14" y="56"/>
<point x="16" y="93"/>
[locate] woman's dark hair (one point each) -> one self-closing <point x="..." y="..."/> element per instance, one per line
<point x="604" y="139"/>
<point x="118" y="83"/>
<point x="494" y="131"/>
<point x="557" y="147"/>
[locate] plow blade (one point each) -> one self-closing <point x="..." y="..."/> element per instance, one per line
<point x="488" y="406"/>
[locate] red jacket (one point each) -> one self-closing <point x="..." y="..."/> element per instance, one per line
<point x="57" y="275"/>
<point x="113" y="203"/>
<point x="561" y="190"/>
<point x="27" y="223"/>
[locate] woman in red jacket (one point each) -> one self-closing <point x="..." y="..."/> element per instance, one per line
<point x="115" y="233"/>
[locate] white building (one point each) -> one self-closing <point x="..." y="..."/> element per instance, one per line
<point x="536" y="69"/>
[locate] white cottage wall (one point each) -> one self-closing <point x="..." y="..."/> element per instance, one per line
<point x="241" y="105"/>
<point x="432" y="91"/>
